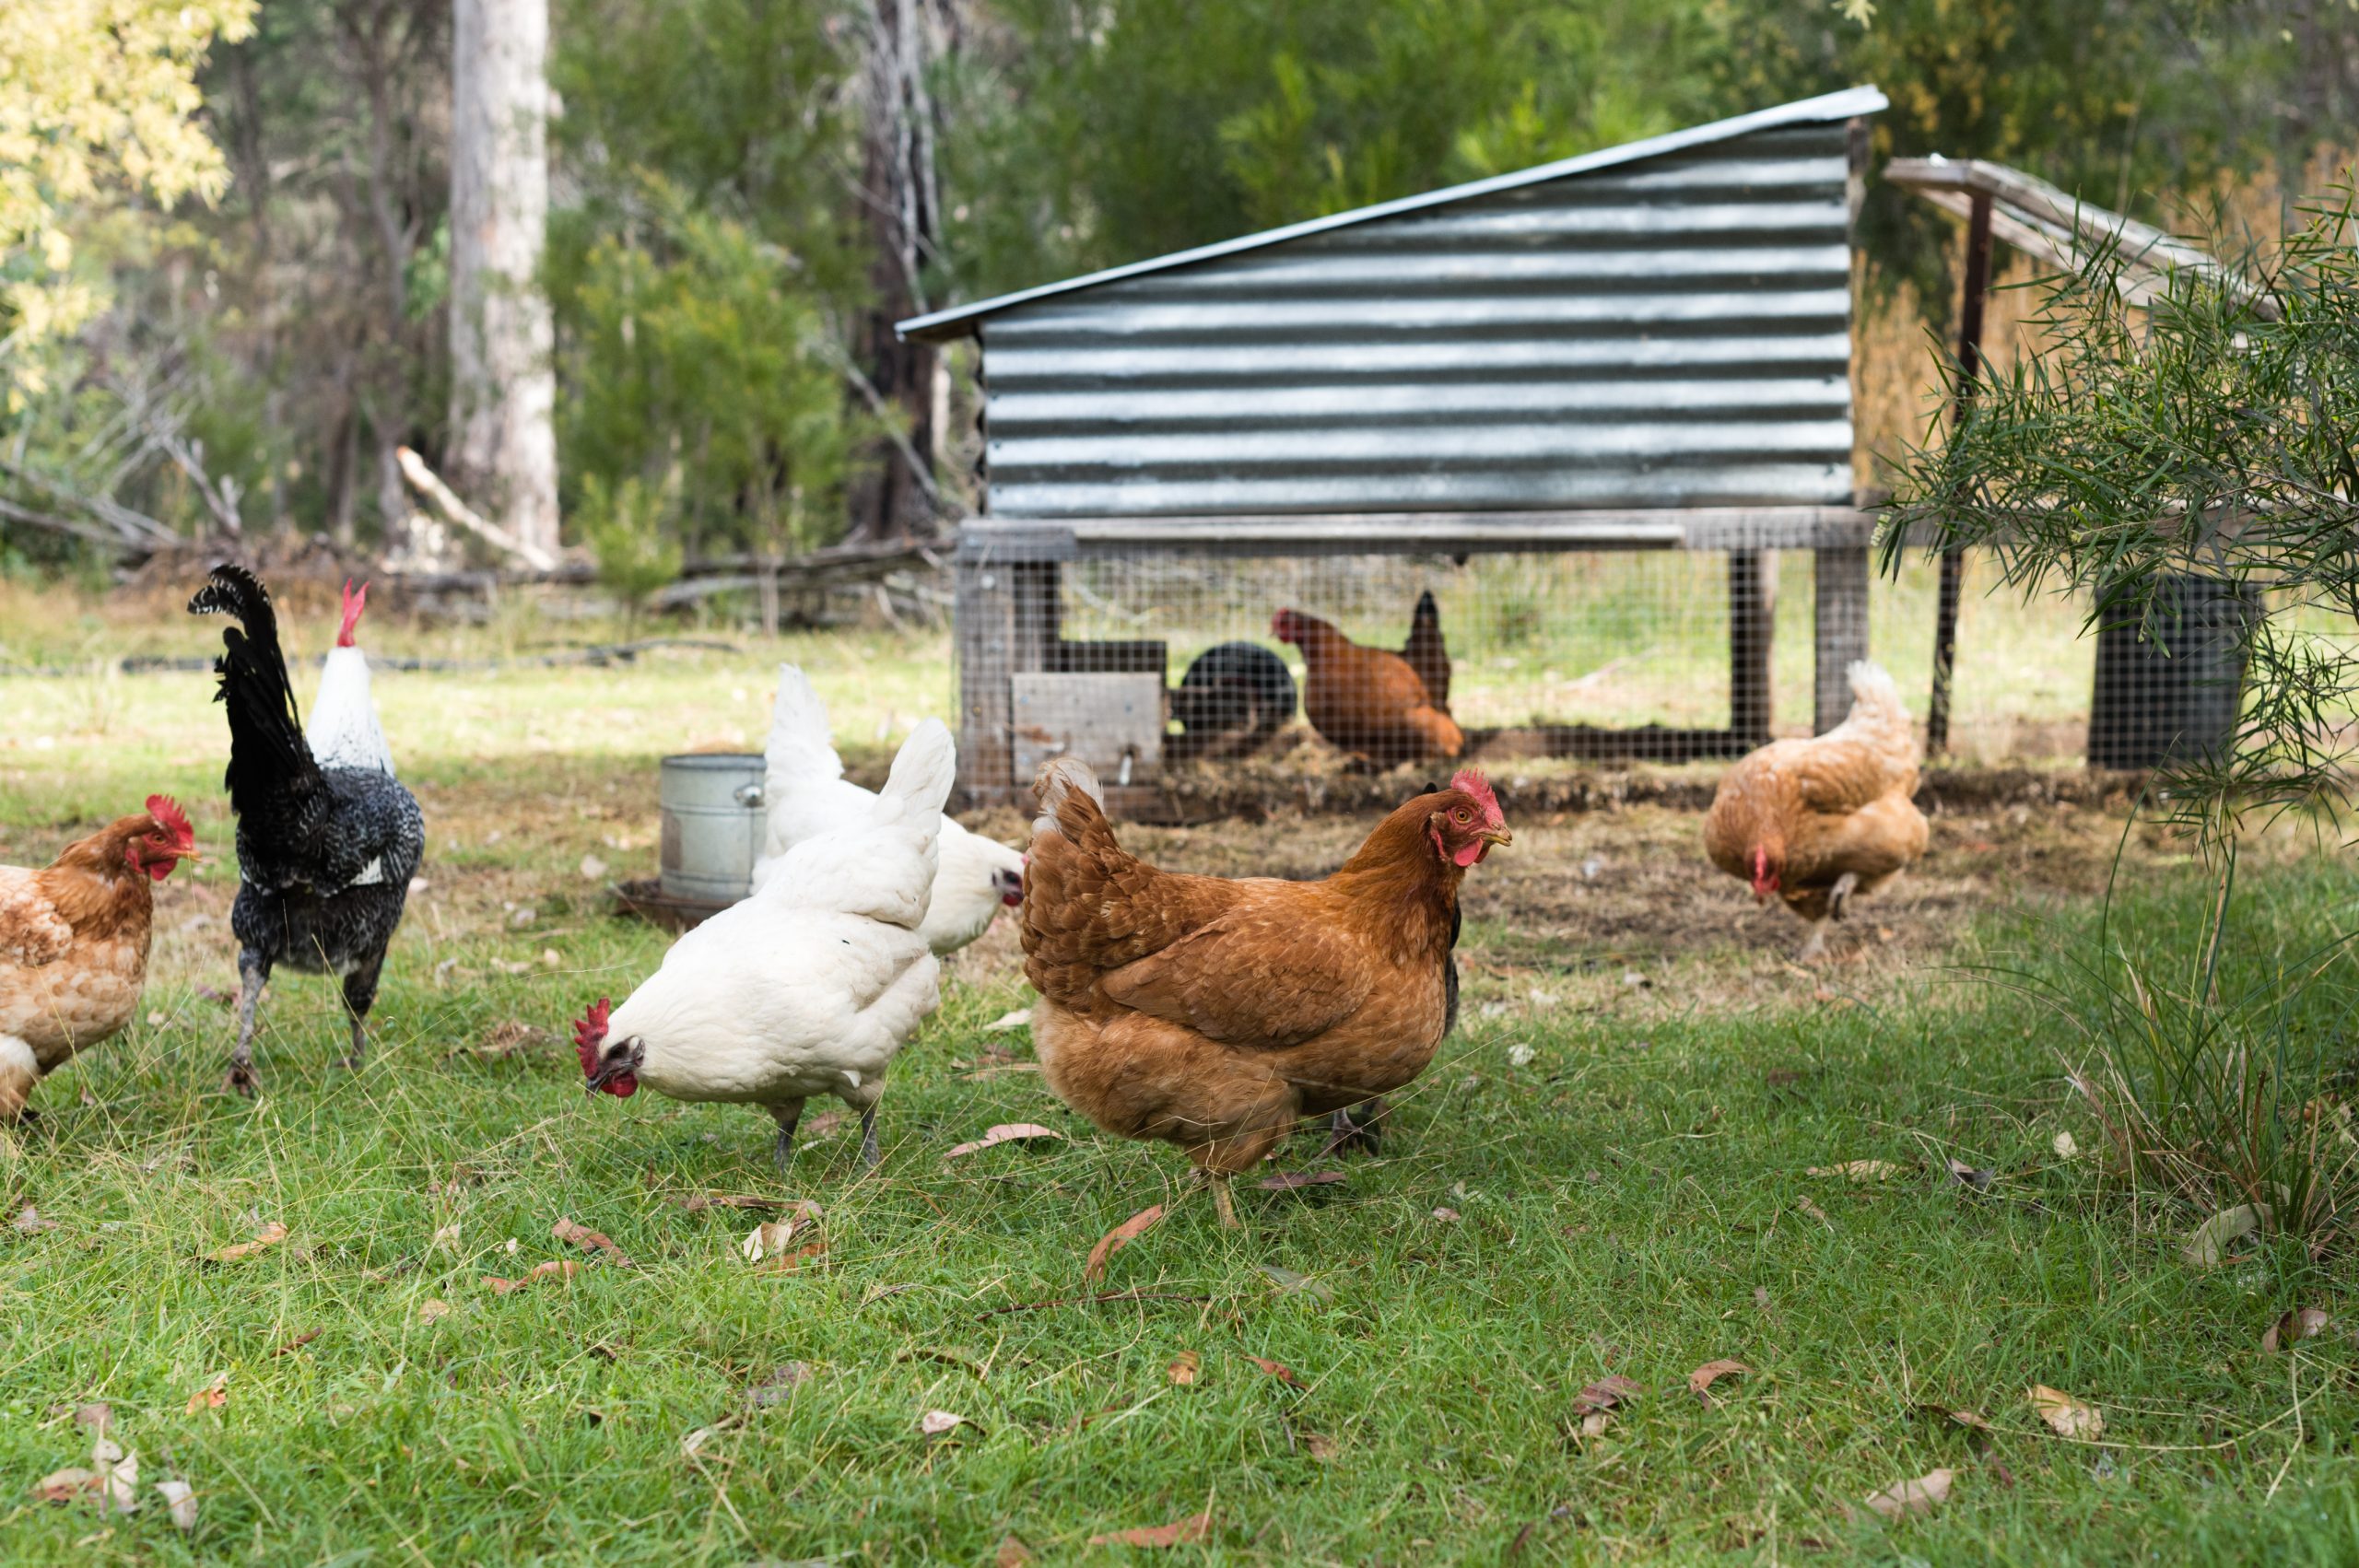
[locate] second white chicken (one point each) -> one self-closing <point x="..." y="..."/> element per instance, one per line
<point x="807" y="791"/>
<point x="809" y="986"/>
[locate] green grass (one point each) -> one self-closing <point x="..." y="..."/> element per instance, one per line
<point x="1631" y="1200"/>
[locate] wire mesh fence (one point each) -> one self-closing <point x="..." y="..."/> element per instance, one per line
<point x="1154" y="661"/>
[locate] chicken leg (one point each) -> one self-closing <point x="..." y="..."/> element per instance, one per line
<point x="253" y="973"/>
<point x="869" y="1155"/>
<point x="788" y="1116"/>
<point x="359" y="996"/>
<point x="19" y="1071"/>
<point x="1223" y="1204"/>
<point x="1345" y="1134"/>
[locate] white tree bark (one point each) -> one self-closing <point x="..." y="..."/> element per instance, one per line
<point x="503" y="380"/>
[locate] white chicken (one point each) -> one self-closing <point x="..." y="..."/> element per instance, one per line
<point x="806" y="792"/>
<point x="810" y="985"/>
<point x="344" y="732"/>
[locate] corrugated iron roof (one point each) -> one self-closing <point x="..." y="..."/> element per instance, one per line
<point x="944" y="325"/>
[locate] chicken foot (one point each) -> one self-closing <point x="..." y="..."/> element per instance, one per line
<point x="253" y="976"/>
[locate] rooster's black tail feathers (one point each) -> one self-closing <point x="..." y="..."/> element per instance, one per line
<point x="268" y="756"/>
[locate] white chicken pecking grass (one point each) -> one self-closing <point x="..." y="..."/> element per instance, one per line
<point x="344" y="732"/>
<point x="806" y="792"/>
<point x="810" y="985"/>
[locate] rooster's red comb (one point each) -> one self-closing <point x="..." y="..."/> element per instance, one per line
<point x="353" y="604"/>
<point x="1467" y="781"/>
<point x="589" y="1034"/>
<point x="171" y="818"/>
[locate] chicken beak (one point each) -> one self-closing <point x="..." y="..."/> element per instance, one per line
<point x="1498" y="835"/>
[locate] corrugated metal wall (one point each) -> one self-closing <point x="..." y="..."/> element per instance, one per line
<point x="1670" y="332"/>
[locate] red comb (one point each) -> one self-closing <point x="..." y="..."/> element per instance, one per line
<point x="169" y="816"/>
<point x="1472" y="783"/>
<point x="589" y="1034"/>
<point x="353" y="604"/>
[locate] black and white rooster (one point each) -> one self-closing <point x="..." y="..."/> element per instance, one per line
<point x="324" y="855"/>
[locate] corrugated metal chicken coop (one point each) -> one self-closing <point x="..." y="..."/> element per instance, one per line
<point x="1582" y="407"/>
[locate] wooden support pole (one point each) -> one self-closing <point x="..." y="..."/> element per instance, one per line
<point x="1969" y="371"/>
<point x="985" y="615"/>
<point x="1840" y="591"/>
<point x="1753" y="612"/>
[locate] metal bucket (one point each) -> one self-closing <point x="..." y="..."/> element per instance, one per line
<point x="713" y="820"/>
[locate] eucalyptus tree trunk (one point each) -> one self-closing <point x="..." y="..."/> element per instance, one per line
<point x="893" y="496"/>
<point x="503" y="382"/>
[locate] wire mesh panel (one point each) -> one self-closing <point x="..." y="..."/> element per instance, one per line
<point x="1291" y="665"/>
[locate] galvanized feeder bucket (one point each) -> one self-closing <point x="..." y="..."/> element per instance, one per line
<point x="713" y="820"/>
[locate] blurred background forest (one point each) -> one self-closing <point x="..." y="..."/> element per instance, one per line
<point x="743" y="194"/>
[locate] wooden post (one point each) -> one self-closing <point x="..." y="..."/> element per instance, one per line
<point x="984" y="610"/>
<point x="1841" y="608"/>
<point x="1970" y="370"/>
<point x="766" y="594"/>
<point x="1753" y="612"/>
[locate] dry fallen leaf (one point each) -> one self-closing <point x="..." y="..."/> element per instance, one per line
<point x="1019" y="1019"/>
<point x="583" y="1235"/>
<point x="1287" y="1280"/>
<point x="933" y="1423"/>
<point x="447" y="1236"/>
<point x="2066" y="1416"/>
<point x="1606" y="1394"/>
<point x="821" y="1126"/>
<point x="1920" y="1496"/>
<point x="434" y="1312"/>
<point x="2306" y="1324"/>
<point x="556" y="1267"/>
<point x="1594" y="1424"/>
<point x="1184" y="1368"/>
<point x="1286" y="1181"/>
<point x="1179" y="1532"/>
<point x="1813" y="1211"/>
<point x="1446" y="1215"/>
<point x="118" y="1475"/>
<point x="95" y="1419"/>
<point x="1279" y="1370"/>
<point x="2066" y="1147"/>
<point x="180" y="1501"/>
<point x="2207" y="1245"/>
<point x="30" y="1223"/>
<point x="1699" y="1382"/>
<point x="1963" y="1418"/>
<point x="1121" y="1237"/>
<point x="270" y="1235"/>
<point x="1005" y="1132"/>
<point x="1317" y="1444"/>
<point x="297" y="1343"/>
<point x="65" y="1486"/>
<point x="212" y="1397"/>
<point x="1012" y="1553"/>
<point x="771" y="1237"/>
<point x="1857" y="1170"/>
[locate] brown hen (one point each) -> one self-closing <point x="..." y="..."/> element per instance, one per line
<point x="1211" y="1013"/>
<point x="73" y="944"/>
<point x="1819" y="821"/>
<point x="1371" y="701"/>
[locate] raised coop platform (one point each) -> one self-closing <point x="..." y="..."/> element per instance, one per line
<point x="1622" y="635"/>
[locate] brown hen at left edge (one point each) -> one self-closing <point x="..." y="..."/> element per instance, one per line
<point x="1213" y="1014"/>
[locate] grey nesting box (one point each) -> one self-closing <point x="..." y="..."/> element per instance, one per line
<point x="1647" y="346"/>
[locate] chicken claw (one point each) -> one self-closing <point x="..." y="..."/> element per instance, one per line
<point x="1344" y="1133"/>
<point x="241" y="1080"/>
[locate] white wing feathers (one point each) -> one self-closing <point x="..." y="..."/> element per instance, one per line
<point x="809" y="794"/>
